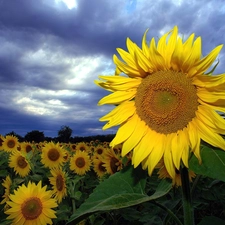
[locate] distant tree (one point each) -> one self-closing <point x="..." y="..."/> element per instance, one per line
<point x="35" y="135"/>
<point x="64" y="134"/>
<point x="12" y="133"/>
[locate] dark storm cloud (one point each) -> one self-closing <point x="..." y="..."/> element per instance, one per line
<point x="50" y="55"/>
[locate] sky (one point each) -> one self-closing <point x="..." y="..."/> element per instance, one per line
<point x="51" y="51"/>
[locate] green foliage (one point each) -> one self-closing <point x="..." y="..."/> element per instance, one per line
<point x="213" y="163"/>
<point x="123" y="189"/>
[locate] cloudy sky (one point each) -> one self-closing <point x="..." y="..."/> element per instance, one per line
<point x="51" y="51"/>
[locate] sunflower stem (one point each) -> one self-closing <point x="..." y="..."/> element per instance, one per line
<point x="186" y="197"/>
<point x="73" y="205"/>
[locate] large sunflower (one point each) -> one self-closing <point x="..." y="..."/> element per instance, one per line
<point x="167" y="103"/>
<point x="19" y="163"/>
<point x="58" y="181"/>
<point x="31" y="204"/>
<point x="53" y="155"/>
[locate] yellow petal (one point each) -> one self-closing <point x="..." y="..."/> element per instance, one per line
<point x="156" y="154"/>
<point x="144" y="147"/>
<point x="135" y="137"/>
<point x="121" y="116"/>
<point x="129" y="105"/>
<point x="145" y="48"/>
<point x="209" y="136"/>
<point x="212" y="119"/>
<point x="132" y="72"/>
<point x="118" y="97"/>
<point x="204" y="64"/>
<point x="168" y="160"/>
<point x="206" y="81"/>
<point x="156" y="59"/>
<point x="194" y="56"/>
<point x="176" y="61"/>
<point x="194" y="140"/>
<point x="176" y="150"/>
<point x="124" y="131"/>
<point x="170" y="46"/>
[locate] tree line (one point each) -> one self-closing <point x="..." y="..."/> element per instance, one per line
<point x="64" y="136"/>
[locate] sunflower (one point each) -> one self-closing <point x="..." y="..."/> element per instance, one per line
<point x="98" y="167"/>
<point x="7" y="183"/>
<point x="26" y="147"/>
<point x="82" y="146"/>
<point x="1" y="142"/>
<point x="31" y="204"/>
<point x="19" y="163"/>
<point x="58" y="181"/>
<point x="99" y="150"/>
<point x="112" y="161"/>
<point x="80" y="163"/>
<point x="10" y="143"/>
<point x="53" y="155"/>
<point x="176" y="180"/>
<point x="165" y="101"/>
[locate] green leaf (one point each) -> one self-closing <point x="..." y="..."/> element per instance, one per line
<point x="123" y="189"/>
<point x="213" y="163"/>
<point x="209" y="220"/>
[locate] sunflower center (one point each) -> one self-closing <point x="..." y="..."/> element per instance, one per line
<point x="101" y="167"/>
<point x="166" y="101"/>
<point x="21" y="162"/>
<point x="59" y="182"/>
<point x="28" y="148"/>
<point x="31" y="208"/>
<point x="99" y="151"/>
<point x="114" y="164"/>
<point x="53" y="154"/>
<point x="11" y="143"/>
<point x="80" y="162"/>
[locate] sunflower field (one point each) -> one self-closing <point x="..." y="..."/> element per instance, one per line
<point x="164" y="166"/>
<point x="90" y="183"/>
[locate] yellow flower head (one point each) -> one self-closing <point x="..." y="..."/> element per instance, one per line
<point x="10" y="143"/>
<point x="98" y="167"/>
<point x="26" y="147"/>
<point x="53" y="155"/>
<point x="80" y="163"/>
<point x="176" y="180"/>
<point x="58" y="181"/>
<point x="19" y="163"/>
<point x="166" y="104"/>
<point x="7" y="185"/>
<point x="31" y="204"/>
<point x="112" y="161"/>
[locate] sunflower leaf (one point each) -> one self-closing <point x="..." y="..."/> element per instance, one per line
<point x="213" y="163"/>
<point x="123" y="189"/>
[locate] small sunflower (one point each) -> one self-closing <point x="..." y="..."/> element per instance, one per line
<point x="7" y="182"/>
<point x="176" y="181"/>
<point x="1" y="142"/>
<point x="165" y="101"/>
<point x="82" y="146"/>
<point x="99" y="151"/>
<point x="80" y="163"/>
<point x="31" y="204"/>
<point x="112" y="161"/>
<point x="10" y="143"/>
<point x="19" y="163"/>
<point x="58" y="181"/>
<point x="53" y="155"/>
<point x="98" y="167"/>
<point x="26" y="147"/>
